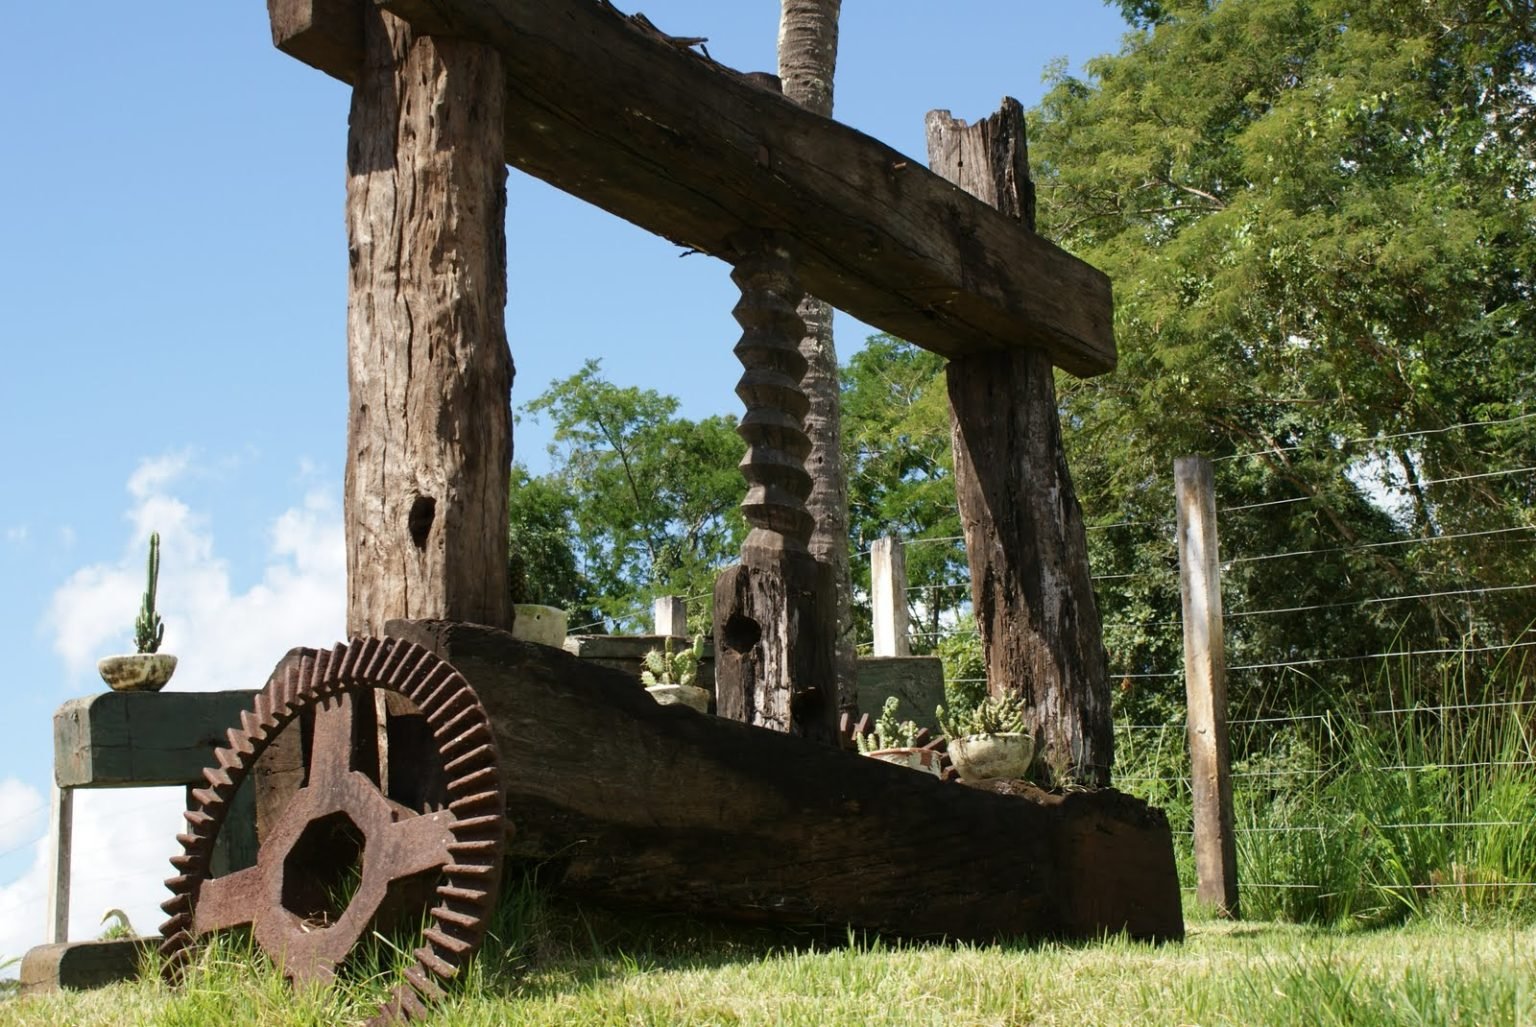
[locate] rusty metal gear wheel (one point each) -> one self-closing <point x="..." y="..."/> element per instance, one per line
<point x="461" y="843"/>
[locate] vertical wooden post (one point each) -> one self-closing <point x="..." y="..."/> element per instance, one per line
<point x="774" y="619"/>
<point x="671" y="616"/>
<point x="429" y="437"/>
<point x="888" y="597"/>
<point x="1024" y="535"/>
<point x="61" y="839"/>
<point x="1205" y="681"/>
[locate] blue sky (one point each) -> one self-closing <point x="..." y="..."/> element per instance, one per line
<point x="173" y="276"/>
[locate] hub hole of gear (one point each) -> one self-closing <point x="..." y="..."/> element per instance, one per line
<point x="323" y="870"/>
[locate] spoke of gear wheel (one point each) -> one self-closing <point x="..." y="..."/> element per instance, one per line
<point x="465" y="841"/>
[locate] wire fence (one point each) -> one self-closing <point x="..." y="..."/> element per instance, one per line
<point x="1439" y="781"/>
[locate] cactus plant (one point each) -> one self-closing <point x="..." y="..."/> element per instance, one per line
<point x="995" y="715"/>
<point x="888" y="733"/>
<point x="149" y="630"/>
<point x="668" y="667"/>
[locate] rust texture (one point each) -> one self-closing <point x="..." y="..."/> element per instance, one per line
<point x="341" y="817"/>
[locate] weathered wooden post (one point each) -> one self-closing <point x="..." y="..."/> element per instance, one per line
<point x="61" y="836"/>
<point x="888" y="597"/>
<point x="1024" y="535"/>
<point x="429" y="437"/>
<point x="774" y="619"/>
<point x="1205" y="683"/>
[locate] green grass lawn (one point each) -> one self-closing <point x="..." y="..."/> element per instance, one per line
<point x="567" y="968"/>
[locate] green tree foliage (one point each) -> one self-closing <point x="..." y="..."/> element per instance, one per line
<point x="897" y="453"/>
<point x="1320" y="221"/>
<point x="650" y="498"/>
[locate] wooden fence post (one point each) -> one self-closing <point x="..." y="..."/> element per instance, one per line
<point x="671" y="616"/>
<point x="888" y="596"/>
<point x="1205" y="682"/>
<point x="61" y="833"/>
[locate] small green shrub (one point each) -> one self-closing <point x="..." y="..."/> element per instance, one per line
<point x="668" y="667"/>
<point x="995" y="715"/>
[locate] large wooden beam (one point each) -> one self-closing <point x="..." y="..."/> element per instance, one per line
<point x="666" y="808"/>
<point x="1024" y="535"/>
<point x="626" y="118"/>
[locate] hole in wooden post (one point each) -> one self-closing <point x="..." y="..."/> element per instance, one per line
<point x="419" y="521"/>
<point x="741" y="633"/>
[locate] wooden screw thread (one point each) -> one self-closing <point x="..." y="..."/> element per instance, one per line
<point x="773" y="426"/>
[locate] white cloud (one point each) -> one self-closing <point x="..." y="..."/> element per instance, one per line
<point x="16" y="533"/>
<point x="123" y="841"/>
<point x="223" y="638"/>
<point x="21" y="811"/>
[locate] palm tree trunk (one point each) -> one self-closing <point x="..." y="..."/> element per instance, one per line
<point x="807" y="61"/>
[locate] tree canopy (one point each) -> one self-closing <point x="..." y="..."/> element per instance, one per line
<point x="1319" y="218"/>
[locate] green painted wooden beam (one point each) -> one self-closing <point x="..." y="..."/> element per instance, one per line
<point x="142" y="739"/>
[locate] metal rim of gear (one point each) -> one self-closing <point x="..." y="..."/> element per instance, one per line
<point x="462" y="732"/>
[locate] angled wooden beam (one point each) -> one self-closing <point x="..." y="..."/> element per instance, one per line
<point x="622" y="116"/>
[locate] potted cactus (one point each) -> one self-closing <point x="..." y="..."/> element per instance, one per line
<point x="896" y="742"/>
<point x="670" y="676"/>
<point x="148" y="669"/>
<point x="989" y="741"/>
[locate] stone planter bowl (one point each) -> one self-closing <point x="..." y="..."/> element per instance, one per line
<point x="989" y="757"/>
<point x="137" y="672"/>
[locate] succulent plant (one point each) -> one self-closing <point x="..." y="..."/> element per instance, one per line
<point x="669" y="667"/>
<point x="994" y="715"/>
<point x="148" y="630"/>
<point x="888" y="734"/>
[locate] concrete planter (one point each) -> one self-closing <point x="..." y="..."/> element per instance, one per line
<point x="925" y="760"/>
<point x="989" y="757"/>
<point x="137" y="672"/>
<point x="542" y="624"/>
<point x="687" y="695"/>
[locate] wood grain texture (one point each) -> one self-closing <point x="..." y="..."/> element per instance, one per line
<point x="665" y="808"/>
<point x="324" y="34"/>
<point x="683" y="147"/>
<point x="1205" y="685"/>
<point x="1024" y="535"/>
<point x="141" y="739"/>
<point x="429" y="437"/>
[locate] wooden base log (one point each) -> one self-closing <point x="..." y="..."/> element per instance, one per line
<point x="661" y="807"/>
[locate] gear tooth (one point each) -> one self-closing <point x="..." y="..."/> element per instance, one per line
<point x="204" y="796"/>
<point x="486" y="849"/>
<point x="476" y="736"/>
<point x="240" y="744"/>
<point x="457" y="947"/>
<point x="435" y="686"/>
<point x="218" y="778"/>
<point x="415" y="663"/>
<point x="468" y="921"/>
<point x="176" y="905"/>
<point x="482" y="777"/>
<point x="425" y="986"/>
<point x="176" y="925"/>
<point x="471" y="825"/>
<point x="183" y="862"/>
<point x="480" y="800"/>
<point x="476" y="896"/>
<point x="480" y="760"/>
<point x="468" y="870"/>
<point x="196" y="817"/>
<point x="252" y="725"/>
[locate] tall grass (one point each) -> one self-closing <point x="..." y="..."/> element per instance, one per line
<point x="1372" y="816"/>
